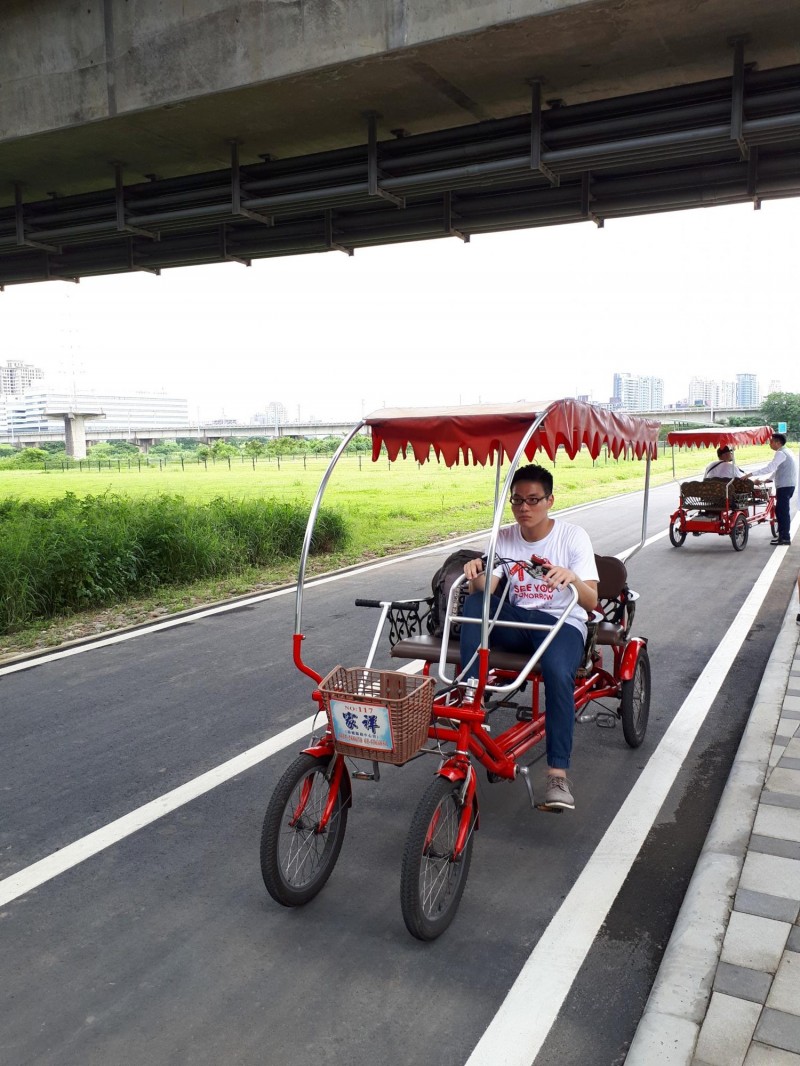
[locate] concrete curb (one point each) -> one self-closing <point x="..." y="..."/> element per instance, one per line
<point x="678" y="1001"/>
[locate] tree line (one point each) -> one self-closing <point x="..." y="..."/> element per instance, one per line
<point x="777" y="407"/>
<point x="187" y="448"/>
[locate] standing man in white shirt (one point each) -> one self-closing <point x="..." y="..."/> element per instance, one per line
<point x="784" y="475"/>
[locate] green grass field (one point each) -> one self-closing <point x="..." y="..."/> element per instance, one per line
<point x="388" y="507"/>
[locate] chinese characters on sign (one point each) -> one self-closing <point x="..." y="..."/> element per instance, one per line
<point x="361" y="726"/>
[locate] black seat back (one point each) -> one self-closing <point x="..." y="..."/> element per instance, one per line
<point x="613" y="577"/>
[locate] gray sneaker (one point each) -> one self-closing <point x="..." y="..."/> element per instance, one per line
<point x="557" y="794"/>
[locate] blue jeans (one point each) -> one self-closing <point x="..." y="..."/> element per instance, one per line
<point x="782" y="511"/>
<point x="558" y="665"/>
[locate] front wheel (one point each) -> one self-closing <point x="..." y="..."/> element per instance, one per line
<point x="677" y="533"/>
<point x="773" y="527"/>
<point x="432" y="880"/>
<point x="635" y="701"/>
<point x="296" y="858"/>
<point x="739" y="533"/>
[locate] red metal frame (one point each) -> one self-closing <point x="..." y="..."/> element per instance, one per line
<point x="723" y="523"/>
<point x="464" y="727"/>
<point x="716" y="437"/>
<point x="481" y="435"/>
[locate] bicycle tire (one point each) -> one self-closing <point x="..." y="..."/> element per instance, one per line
<point x="296" y="860"/>
<point x="431" y="883"/>
<point x="635" y="701"/>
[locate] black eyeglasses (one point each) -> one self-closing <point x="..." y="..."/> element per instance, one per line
<point x="531" y="501"/>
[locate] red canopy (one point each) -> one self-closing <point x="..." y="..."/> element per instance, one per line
<point x="478" y="433"/>
<point x="715" y="437"/>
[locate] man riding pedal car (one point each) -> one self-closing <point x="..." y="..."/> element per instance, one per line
<point x="562" y="554"/>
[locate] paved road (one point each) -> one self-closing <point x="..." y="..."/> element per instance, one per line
<point x="164" y="948"/>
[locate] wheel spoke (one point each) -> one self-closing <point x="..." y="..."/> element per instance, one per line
<point x="296" y="858"/>
<point x="433" y="879"/>
<point x="437" y="866"/>
<point x="303" y="847"/>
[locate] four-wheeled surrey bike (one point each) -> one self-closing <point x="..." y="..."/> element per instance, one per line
<point x="726" y="507"/>
<point x="376" y="716"/>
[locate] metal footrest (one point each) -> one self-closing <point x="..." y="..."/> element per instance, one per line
<point x="602" y="718"/>
<point x="526" y="777"/>
<point x="365" y="775"/>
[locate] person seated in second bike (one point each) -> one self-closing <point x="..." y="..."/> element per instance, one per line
<point x="562" y="555"/>
<point x="724" y="467"/>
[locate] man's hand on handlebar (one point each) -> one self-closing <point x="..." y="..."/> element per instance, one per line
<point x="558" y="577"/>
<point x="473" y="568"/>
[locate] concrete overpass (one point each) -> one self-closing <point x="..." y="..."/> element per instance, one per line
<point x="148" y="135"/>
<point x="145" y="437"/>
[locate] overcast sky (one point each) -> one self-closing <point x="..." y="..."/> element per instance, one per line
<point x="535" y="314"/>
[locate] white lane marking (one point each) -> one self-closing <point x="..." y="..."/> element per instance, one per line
<point x="413" y="667"/>
<point x="64" y="859"/>
<point x="650" y="540"/>
<point x="67" y="857"/>
<point x="516" y="1033"/>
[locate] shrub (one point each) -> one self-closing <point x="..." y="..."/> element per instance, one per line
<point x="65" y="554"/>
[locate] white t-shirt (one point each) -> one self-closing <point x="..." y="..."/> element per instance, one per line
<point x="723" y="468"/>
<point x="565" y="545"/>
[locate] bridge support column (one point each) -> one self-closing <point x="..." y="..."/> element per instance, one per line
<point x="75" y="429"/>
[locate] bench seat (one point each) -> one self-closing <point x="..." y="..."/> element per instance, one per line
<point x="428" y="648"/>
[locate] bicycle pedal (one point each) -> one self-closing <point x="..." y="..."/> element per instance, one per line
<point x="362" y="775"/>
<point x="524" y="714"/>
<point x="549" y="810"/>
<point x="606" y="720"/>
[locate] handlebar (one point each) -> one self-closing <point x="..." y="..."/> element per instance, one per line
<point x="392" y="604"/>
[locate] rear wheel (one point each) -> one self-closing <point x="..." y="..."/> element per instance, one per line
<point x="677" y="532"/>
<point x="739" y="533"/>
<point x="297" y="859"/>
<point x="432" y="880"/>
<point x="773" y="528"/>
<point x="635" y="702"/>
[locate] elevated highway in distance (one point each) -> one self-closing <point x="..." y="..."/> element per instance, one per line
<point x="145" y="436"/>
<point x="149" y="135"/>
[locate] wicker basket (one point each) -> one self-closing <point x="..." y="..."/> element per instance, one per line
<point x="380" y="715"/>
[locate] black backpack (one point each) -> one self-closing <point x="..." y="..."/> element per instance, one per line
<point x="441" y="583"/>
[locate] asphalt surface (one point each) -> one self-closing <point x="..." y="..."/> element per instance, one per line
<point x="164" y="947"/>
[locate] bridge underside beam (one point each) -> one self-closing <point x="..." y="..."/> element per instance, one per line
<point x="726" y="141"/>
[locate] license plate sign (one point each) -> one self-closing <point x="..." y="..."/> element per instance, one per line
<point x="361" y="726"/>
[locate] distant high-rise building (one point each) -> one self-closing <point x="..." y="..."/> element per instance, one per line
<point x="274" y="414"/>
<point x="712" y="393"/>
<point x="747" y="391"/>
<point x="701" y="391"/>
<point x="634" y="392"/>
<point x="774" y="386"/>
<point x="726" y="394"/>
<point x="16" y="377"/>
